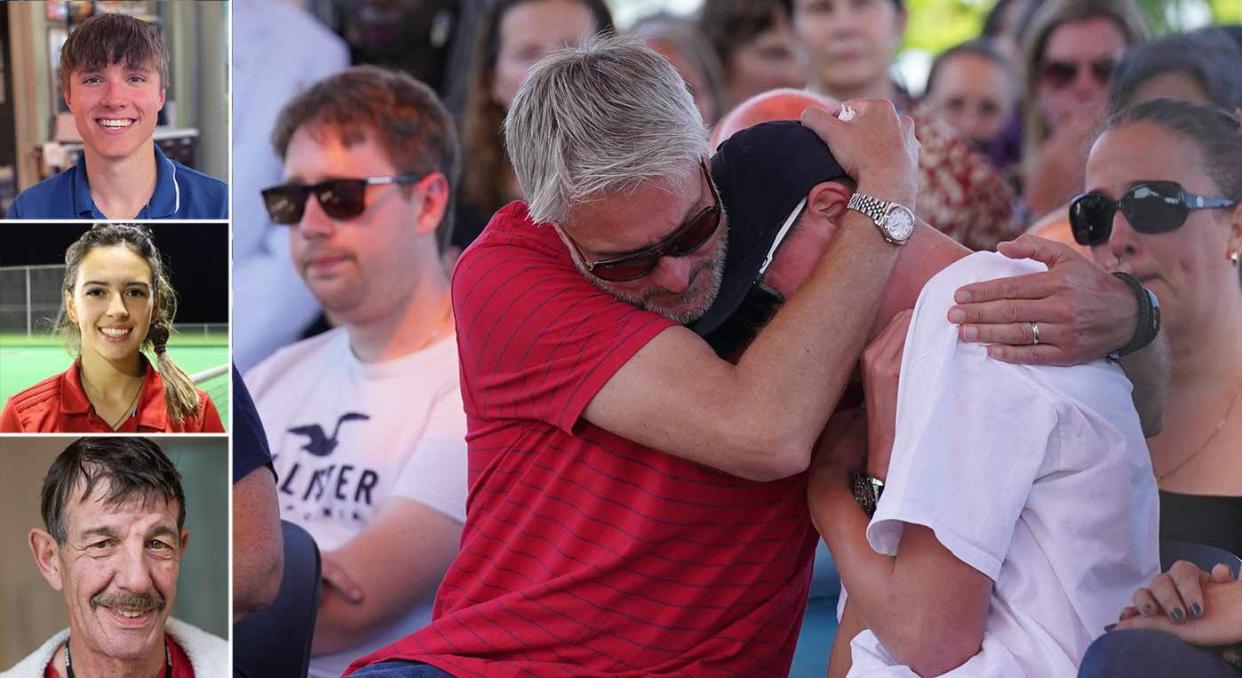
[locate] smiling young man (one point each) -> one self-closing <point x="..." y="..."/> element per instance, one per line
<point x="114" y="74"/>
<point x="113" y="540"/>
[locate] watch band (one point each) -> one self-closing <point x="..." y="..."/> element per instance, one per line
<point x="881" y="213"/>
<point x="867" y="491"/>
<point x="874" y="208"/>
<point x="1148" y="325"/>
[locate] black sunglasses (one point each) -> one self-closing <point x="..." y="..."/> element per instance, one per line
<point x="339" y="198"/>
<point x="688" y="237"/>
<point x="1060" y="74"/>
<point x="1150" y="207"/>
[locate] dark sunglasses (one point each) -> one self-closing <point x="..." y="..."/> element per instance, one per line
<point x="340" y="198"/>
<point x="688" y="237"/>
<point x="1150" y="207"/>
<point x="1060" y="74"/>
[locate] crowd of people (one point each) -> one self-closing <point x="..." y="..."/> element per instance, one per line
<point x="599" y="364"/>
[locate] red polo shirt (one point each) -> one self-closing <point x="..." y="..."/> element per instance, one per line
<point x="59" y="404"/>
<point x="181" y="666"/>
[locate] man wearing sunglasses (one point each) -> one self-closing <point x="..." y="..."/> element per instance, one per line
<point x="365" y="421"/>
<point x="114" y="75"/>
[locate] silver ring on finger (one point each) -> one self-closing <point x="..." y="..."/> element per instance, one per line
<point x="1034" y="333"/>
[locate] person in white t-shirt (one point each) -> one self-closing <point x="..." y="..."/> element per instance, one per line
<point x="365" y="422"/>
<point x="1019" y="508"/>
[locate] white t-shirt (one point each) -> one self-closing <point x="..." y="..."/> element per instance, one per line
<point x="1038" y="477"/>
<point x="346" y="436"/>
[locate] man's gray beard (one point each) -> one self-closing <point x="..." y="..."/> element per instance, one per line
<point x="713" y="267"/>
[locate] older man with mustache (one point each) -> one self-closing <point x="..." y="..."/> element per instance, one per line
<point x="114" y="516"/>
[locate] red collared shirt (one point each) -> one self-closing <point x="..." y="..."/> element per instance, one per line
<point x="59" y="404"/>
<point x="181" y="666"/>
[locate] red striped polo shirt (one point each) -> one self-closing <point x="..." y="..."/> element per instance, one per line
<point x="584" y="553"/>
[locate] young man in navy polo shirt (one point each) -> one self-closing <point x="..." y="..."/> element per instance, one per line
<point x="114" y="73"/>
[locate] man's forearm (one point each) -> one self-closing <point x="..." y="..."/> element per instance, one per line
<point x="905" y="599"/>
<point x="1148" y="370"/>
<point x="852" y="624"/>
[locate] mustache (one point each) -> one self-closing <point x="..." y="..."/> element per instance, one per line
<point x="131" y="601"/>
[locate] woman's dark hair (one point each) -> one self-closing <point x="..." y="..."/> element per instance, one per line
<point x="126" y="468"/>
<point x="180" y="396"/>
<point x="982" y="48"/>
<point x="1209" y="56"/>
<point x="1216" y="132"/>
<point x="482" y="122"/>
<point x="730" y="24"/>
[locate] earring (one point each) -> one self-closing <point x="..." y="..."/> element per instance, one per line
<point x="1234" y="257"/>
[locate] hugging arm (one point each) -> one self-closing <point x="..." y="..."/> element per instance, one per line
<point x="1083" y="312"/>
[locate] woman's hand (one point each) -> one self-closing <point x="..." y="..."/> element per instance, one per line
<point x="881" y="362"/>
<point x="1197" y="607"/>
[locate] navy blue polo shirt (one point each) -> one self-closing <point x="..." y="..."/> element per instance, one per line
<point x="180" y="193"/>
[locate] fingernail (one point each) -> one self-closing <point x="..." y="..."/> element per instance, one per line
<point x="961" y="297"/>
<point x="956" y="315"/>
<point x="1196" y="610"/>
<point x="1178" y="615"/>
<point x="970" y="333"/>
<point x="1110" y="627"/>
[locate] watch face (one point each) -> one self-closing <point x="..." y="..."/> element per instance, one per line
<point x="899" y="223"/>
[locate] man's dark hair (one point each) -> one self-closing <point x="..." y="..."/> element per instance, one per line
<point x="124" y="467"/>
<point x="107" y="39"/>
<point x="408" y="121"/>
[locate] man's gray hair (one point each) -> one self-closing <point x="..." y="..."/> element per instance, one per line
<point x="602" y="117"/>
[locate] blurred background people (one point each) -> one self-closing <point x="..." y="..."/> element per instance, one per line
<point x="1203" y="65"/>
<point x="1153" y="158"/>
<point x="1072" y="50"/>
<point x="755" y="46"/>
<point x="679" y="40"/>
<point x="271" y="63"/>
<point x="972" y="87"/>
<point x="513" y="35"/>
<point x="850" y="44"/>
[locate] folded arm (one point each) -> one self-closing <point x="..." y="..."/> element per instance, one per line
<point x="905" y="599"/>
<point x="395" y="564"/>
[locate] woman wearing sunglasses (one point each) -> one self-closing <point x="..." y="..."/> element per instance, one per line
<point x="1074" y="47"/>
<point x="1164" y="203"/>
<point x="118" y="303"/>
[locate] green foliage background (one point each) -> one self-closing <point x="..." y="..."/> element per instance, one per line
<point x="936" y="25"/>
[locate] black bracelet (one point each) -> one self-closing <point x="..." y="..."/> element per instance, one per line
<point x="1148" y="325"/>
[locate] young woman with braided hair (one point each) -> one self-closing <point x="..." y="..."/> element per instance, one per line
<point x="118" y="302"/>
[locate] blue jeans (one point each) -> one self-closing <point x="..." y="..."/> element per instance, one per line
<point x="1151" y="654"/>
<point x="401" y="669"/>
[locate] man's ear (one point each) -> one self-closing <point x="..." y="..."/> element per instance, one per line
<point x="828" y="200"/>
<point x="432" y="202"/>
<point x="163" y="94"/>
<point x="185" y="540"/>
<point x="46" y="554"/>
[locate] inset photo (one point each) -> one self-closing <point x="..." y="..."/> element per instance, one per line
<point x="114" y="327"/>
<point x="114" y="556"/>
<point x="114" y="110"/>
